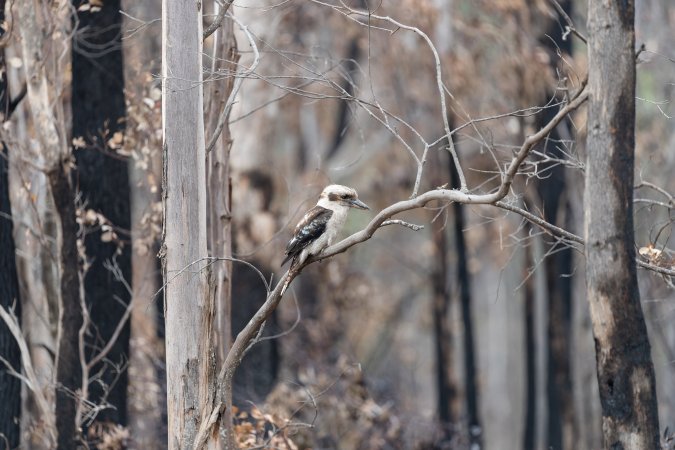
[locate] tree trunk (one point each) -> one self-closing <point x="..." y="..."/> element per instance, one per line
<point x="443" y="339"/>
<point x="464" y="282"/>
<point x="530" y="428"/>
<point x="623" y="355"/>
<point x="219" y="190"/>
<point x="219" y="196"/>
<point x="146" y="393"/>
<point x="68" y="362"/>
<point x="10" y="386"/>
<point x="189" y="307"/>
<point x="562" y="433"/>
<point x="98" y="111"/>
<point x="47" y="121"/>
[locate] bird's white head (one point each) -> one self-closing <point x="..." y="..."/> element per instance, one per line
<point x="337" y="196"/>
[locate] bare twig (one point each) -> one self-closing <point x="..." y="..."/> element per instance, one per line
<point x="536" y="220"/>
<point x="570" y="25"/>
<point x="348" y="11"/>
<point x="43" y="404"/>
<point x="225" y="113"/>
<point x="219" y="18"/>
<point x="114" y="268"/>
<point x="403" y="223"/>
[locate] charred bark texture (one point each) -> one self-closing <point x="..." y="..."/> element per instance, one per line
<point x="623" y="354"/>
<point x="530" y="429"/>
<point x="68" y="364"/>
<point x="10" y="386"/>
<point x="257" y="373"/>
<point x="464" y="282"/>
<point x="445" y="381"/>
<point x="102" y="177"/>
<point x="561" y="430"/>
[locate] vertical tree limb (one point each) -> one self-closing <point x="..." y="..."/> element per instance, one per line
<point x="189" y="307"/>
<point x="10" y="386"/>
<point x="623" y="353"/>
<point x="54" y="154"/>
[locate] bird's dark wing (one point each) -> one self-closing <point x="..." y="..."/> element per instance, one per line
<point x="312" y="225"/>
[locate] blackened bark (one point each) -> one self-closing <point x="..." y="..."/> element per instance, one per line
<point x="623" y="354"/>
<point x="530" y="430"/>
<point x="443" y="344"/>
<point x="98" y="109"/>
<point x="445" y="384"/>
<point x="558" y="267"/>
<point x="68" y="366"/>
<point x="464" y="281"/>
<point x="561" y="430"/>
<point x="257" y="375"/>
<point x="10" y="386"/>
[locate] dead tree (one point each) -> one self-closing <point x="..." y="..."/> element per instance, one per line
<point x="55" y="156"/>
<point x="623" y="354"/>
<point x="189" y="306"/>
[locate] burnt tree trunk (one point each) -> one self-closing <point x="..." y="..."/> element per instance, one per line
<point x="102" y="177"/>
<point x="561" y="430"/>
<point x="10" y="386"/>
<point x="45" y="113"/>
<point x="68" y="364"/>
<point x="464" y="283"/>
<point x="445" y="381"/>
<point x="623" y="354"/>
<point x="530" y="428"/>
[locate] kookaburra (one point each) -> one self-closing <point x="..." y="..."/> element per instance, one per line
<point x="321" y="224"/>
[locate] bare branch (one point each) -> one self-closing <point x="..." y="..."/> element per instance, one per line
<point x="347" y="11"/>
<point x="548" y="227"/>
<point x="225" y="113"/>
<point x="403" y="223"/>
<point x="219" y="18"/>
<point x="42" y="402"/>
<point x="570" y="25"/>
<point x="114" y="268"/>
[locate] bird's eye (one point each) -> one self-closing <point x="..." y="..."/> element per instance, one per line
<point x="344" y="196"/>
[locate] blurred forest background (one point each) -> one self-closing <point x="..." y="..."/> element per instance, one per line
<point x="473" y="332"/>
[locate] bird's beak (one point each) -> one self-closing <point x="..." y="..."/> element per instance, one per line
<point x="356" y="203"/>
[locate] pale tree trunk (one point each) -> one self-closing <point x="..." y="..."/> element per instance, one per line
<point x="623" y="355"/>
<point x="219" y="186"/>
<point x="48" y="123"/>
<point x="10" y="386"/>
<point x="189" y="309"/>
<point x="219" y="196"/>
<point x="146" y="394"/>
